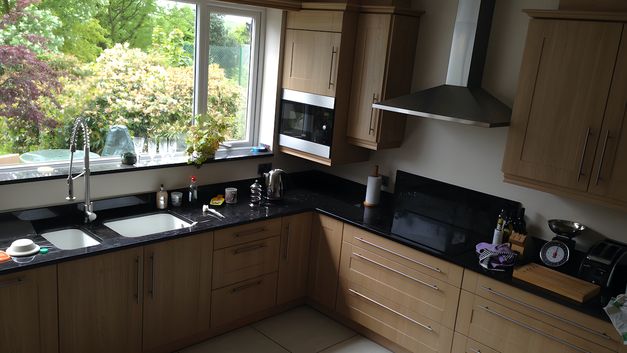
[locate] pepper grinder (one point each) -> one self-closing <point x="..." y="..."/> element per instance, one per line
<point x="256" y="190"/>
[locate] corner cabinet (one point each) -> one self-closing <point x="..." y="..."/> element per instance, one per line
<point x="28" y="302"/>
<point x="384" y="58"/>
<point x="294" y="257"/>
<point x="568" y="117"/>
<point x="324" y="261"/>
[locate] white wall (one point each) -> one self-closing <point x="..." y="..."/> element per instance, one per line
<point x="470" y="156"/>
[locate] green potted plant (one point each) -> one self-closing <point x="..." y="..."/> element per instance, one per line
<point x="204" y="138"/>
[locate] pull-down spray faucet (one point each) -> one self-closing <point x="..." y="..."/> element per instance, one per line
<point x="88" y="205"/>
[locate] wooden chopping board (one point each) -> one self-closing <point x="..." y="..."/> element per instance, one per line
<point x="557" y="282"/>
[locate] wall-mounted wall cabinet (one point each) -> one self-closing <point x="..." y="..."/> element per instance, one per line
<point x="568" y="118"/>
<point x="384" y="60"/>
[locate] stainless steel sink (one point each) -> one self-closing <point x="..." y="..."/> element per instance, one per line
<point x="144" y="225"/>
<point x="70" y="239"/>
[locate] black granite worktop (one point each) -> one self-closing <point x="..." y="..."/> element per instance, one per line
<point x="309" y="191"/>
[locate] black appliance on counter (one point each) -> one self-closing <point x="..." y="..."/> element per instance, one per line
<point x="306" y="122"/>
<point x="445" y="217"/>
<point x="606" y="265"/>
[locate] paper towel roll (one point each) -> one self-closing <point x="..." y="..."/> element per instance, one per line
<point x="373" y="191"/>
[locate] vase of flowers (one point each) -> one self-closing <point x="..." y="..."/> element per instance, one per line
<point x="204" y="138"/>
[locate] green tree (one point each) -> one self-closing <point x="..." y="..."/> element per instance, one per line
<point x="31" y="27"/>
<point x="127" y="21"/>
<point x="85" y="40"/>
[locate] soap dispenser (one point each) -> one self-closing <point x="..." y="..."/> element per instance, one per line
<point x="162" y="199"/>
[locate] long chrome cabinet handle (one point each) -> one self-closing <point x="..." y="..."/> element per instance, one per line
<point x="333" y="52"/>
<point x="535" y="330"/>
<point x="370" y="128"/>
<point x="541" y="311"/>
<point x="11" y="282"/>
<point x="399" y="255"/>
<point x="426" y="327"/>
<point x="607" y="137"/>
<point x="249" y="232"/>
<point x="583" y="155"/>
<point x="246" y="286"/>
<point x="292" y="60"/>
<point x="248" y="248"/>
<point x="432" y="286"/>
<point x="152" y="275"/>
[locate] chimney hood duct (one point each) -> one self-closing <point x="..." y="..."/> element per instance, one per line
<point x="461" y="99"/>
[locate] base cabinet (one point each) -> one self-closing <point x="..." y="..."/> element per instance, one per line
<point x="324" y="264"/>
<point x="28" y="302"/>
<point x="177" y="290"/>
<point x="294" y="257"/>
<point x="100" y="303"/>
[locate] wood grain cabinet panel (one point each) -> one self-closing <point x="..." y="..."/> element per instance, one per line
<point x="324" y="263"/>
<point x="384" y="56"/>
<point x="463" y="344"/>
<point x="507" y="330"/>
<point x="294" y="257"/>
<point x="567" y="131"/>
<point x="28" y="301"/>
<point x="100" y="303"/>
<point x="244" y="261"/>
<point x="585" y="326"/>
<point x="408" y="257"/>
<point x="177" y="291"/>
<point x="246" y="233"/>
<point x="310" y="62"/>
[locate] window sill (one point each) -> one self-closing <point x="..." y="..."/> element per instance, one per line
<point x="20" y="174"/>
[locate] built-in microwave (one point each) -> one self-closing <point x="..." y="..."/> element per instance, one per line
<point x="306" y="122"/>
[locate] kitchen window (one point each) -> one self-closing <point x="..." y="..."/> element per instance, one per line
<point x="138" y="73"/>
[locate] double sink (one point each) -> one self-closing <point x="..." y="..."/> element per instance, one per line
<point x="76" y="238"/>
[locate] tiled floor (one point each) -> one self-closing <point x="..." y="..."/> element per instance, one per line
<point x="300" y="330"/>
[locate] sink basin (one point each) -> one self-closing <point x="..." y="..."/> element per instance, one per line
<point x="145" y="225"/>
<point x="70" y="239"/>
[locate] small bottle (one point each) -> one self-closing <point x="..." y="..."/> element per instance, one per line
<point x="497" y="238"/>
<point x="162" y="198"/>
<point x="193" y="191"/>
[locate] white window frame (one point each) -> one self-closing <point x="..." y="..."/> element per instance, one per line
<point x="201" y="64"/>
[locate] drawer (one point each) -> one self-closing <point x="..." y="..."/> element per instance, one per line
<point x="415" y="291"/>
<point x="247" y="232"/>
<point x="245" y="261"/>
<point x="414" y="259"/>
<point x="392" y="321"/>
<point x="463" y="344"/>
<point x="507" y="330"/>
<point x="592" y="329"/>
<point x="326" y="21"/>
<point x="234" y="302"/>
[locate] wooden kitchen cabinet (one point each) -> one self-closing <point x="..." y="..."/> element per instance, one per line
<point x="463" y="344"/>
<point x="507" y="330"/>
<point x="324" y="260"/>
<point x="310" y="62"/>
<point x="384" y="58"/>
<point x="177" y="291"/>
<point x="100" y="303"/>
<point x="294" y="257"/>
<point x="28" y="302"/>
<point x="567" y="121"/>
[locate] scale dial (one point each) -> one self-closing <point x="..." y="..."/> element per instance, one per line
<point x="554" y="253"/>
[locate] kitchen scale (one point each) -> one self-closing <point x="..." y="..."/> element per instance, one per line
<point x="556" y="252"/>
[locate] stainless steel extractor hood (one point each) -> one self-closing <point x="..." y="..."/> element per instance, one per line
<point x="461" y="99"/>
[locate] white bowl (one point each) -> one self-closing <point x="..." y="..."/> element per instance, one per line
<point x="22" y="247"/>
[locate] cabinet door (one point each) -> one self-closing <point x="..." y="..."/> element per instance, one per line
<point x="177" y="294"/>
<point x="294" y="261"/>
<point x="310" y="61"/>
<point x="507" y="330"/>
<point x="371" y="52"/>
<point x="609" y="177"/>
<point x="100" y="305"/>
<point x="324" y="264"/>
<point x="28" y="302"/>
<point x="563" y="89"/>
